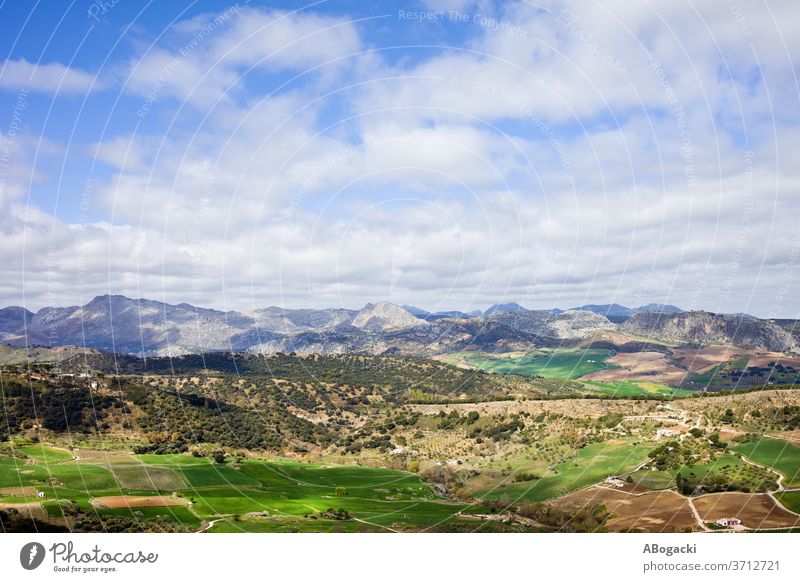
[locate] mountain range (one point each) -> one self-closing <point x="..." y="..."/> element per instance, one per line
<point x="152" y="328"/>
<point x="617" y="310"/>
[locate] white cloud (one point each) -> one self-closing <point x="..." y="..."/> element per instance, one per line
<point x="554" y="168"/>
<point x="45" y="77"/>
<point x="217" y="52"/>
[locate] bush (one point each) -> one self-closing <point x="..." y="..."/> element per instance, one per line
<point x="522" y="477"/>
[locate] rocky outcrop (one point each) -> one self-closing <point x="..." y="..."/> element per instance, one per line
<point x="703" y="328"/>
<point x="505" y="308"/>
<point x="572" y="324"/>
<point x="575" y="324"/>
<point x="383" y="316"/>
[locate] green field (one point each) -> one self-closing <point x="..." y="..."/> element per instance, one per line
<point x="790" y="499"/>
<point x="725" y="462"/>
<point x="45" y="455"/>
<point x="247" y="496"/>
<point x="592" y="464"/>
<point x="546" y="363"/>
<point x="629" y="388"/>
<point x="654" y="479"/>
<point x="780" y="455"/>
<point x="143" y="476"/>
<point x="719" y="373"/>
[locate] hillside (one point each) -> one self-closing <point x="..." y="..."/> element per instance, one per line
<point x="703" y="328"/>
<point x="570" y="324"/>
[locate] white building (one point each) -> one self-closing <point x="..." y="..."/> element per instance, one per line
<point x="728" y="521"/>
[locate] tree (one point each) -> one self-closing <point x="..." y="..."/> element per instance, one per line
<point x="219" y="457"/>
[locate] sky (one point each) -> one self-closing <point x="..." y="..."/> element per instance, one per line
<point x="448" y="155"/>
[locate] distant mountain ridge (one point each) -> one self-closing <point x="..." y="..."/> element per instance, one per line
<point x="701" y="327"/>
<point x="617" y="310"/>
<point x="504" y="308"/>
<point x="146" y="327"/>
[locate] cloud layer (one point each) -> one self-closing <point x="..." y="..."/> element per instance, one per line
<point x="555" y="155"/>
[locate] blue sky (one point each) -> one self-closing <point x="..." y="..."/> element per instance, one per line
<point x="445" y="154"/>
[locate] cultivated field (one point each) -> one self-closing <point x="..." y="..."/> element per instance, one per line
<point x="780" y="455"/>
<point x="755" y="510"/>
<point x="648" y="366"/>
<point x="249" y="495"/>
<point x="591" y="464"/>
<point x="117" y="501"/>
<point x="556" y="363"/>
<point x="662" y="511"/>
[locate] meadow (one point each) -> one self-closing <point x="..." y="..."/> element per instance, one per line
<point x="634" y="388"/>
<point x="790" y="500"/>
<point x="564" y="363"/>
<point x="250" y="495"/>
<point x="569" y="364"/>
<point x="780" y="455"/>
<point x="590" y="465"/>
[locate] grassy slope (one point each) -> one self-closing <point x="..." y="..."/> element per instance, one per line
<point x="569" y="363"/>
<point x="285" y="490"/>
<point x="559" y="363"/>
<point x="592" y="464"/>
<point x="637" y="388"/>
<point x="779" y="455"/>
<point x="290" y="490"/>
<point x="790" y="499"/>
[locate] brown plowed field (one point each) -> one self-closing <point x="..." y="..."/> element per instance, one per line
<point x="649" y="366"/>
<point x="756" y="510"/>
<point x="661" y="511"/>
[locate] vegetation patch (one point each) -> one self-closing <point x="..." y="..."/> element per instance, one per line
<point x="557" y="363"/>
<point x="591" y="464"/>
<point x="637" y="388"/>
<point x="780" y="455"/>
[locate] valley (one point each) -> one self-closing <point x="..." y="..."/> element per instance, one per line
<point x="511" y="421"/>
<point x="380" y="443"/>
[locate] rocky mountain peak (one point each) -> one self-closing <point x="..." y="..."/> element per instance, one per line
<point x="384" y="316"/>
<point x="505" y="308"/>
